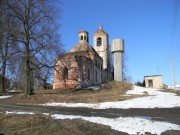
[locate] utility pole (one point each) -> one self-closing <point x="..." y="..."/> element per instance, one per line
<point x="172" y="70"/>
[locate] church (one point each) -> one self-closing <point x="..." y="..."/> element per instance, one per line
<point x="84" y="65"/>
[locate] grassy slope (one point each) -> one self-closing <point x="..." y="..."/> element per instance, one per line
<point x="177" y="92"/>
<point x="41" y="125"/>
<point x="44" y="125"/>
<point x="112" y="91"/>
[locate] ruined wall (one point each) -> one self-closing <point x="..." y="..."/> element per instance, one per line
<point x="82" y="69"/>
<point x="66" y="79"/>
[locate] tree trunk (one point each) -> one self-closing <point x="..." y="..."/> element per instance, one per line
<point x="1" y="88"/>
<point x="4" y="53"/>
<point x="44" y="84"/>
<point x="29" y="77"/>
<point x="4" y="63"/>
<point x="3" y="76"/>
<point x="0" y="24"/>
<point x="3" y="80"/>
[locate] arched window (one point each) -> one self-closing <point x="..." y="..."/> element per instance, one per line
<point x="65" y="73"/>
<point x="81" y="37"/>
<point x="99" y="41"/>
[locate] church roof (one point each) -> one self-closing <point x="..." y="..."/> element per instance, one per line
<point x="71" y="55"/>
<point x="83" y="46"/>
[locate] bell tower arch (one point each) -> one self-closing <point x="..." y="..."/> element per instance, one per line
<point x="100" y="43"/>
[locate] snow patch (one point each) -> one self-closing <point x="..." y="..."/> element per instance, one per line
<point x="88" y="105"/>
<point x="177" y="87"/>
<point x="157" y="99"/>
<point x="15" y="91"/>
<point x="141" y="90"/>
<point x="93" y="87"/>
<point x="47" y="114"/>
<point x="3" y="97"/>
<point x="31" y="113"/>
<point x="129" y="125"/>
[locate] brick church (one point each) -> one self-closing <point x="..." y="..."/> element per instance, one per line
<point x="84" y="65"/>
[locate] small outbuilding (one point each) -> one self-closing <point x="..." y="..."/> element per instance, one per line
<point x="154" y="81"/>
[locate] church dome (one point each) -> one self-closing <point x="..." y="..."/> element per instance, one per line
<point x="82" y="46"/>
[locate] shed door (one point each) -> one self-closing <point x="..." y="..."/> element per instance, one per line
<point x="150" y="83"/>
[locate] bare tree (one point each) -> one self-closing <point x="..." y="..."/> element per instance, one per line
<point x="43" y="76"/>
<point x="1" y="38"/>
<point x="8" y="28"/>
<point x="38" y="37"/>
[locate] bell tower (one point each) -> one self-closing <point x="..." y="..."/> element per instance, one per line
<point x="83" y="37"/>
<point x="100" y="42"/>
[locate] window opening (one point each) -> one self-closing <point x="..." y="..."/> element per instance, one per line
<point x="99" y="41"/>
<point x="65" y="73"/>
<point x="81" y="37"/>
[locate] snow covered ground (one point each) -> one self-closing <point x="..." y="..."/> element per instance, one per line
<point x="157" y="99"/>
<point x="177" y="87"/>
<point x="130" y="125"/>
<point x="2" y="97"/>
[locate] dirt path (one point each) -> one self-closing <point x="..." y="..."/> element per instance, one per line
<point x="171" y="115"/>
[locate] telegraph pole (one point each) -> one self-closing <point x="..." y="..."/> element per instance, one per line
<point x="172" y="70"/>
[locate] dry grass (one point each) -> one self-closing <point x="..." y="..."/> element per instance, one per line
<point x="177" y="92"/>
<point x="112" y="91"/>
<point x="44" y="125"/>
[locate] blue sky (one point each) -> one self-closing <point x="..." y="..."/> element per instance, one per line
<point x="150" y="29"/>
